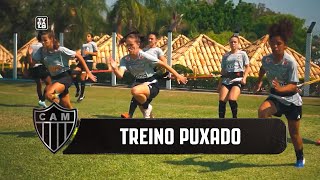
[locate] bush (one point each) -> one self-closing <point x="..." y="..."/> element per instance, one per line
<point x="182" y="69"/>
<point x="101" y="66"/>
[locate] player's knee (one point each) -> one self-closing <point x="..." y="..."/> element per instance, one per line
<point x="262" y="113"/>
<point x="135" y="91"/>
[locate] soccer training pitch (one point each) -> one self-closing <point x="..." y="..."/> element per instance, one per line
<point x="23" y="156"/>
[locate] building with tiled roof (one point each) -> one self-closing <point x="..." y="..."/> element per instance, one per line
<point x="202" y="55"/>
<point x="243" y="43"/>
<point x="162" y="41"/>
<point x="22" y="52"/>
<point x="261" y="48"/>
<point x="176" y="43"/>
<point x="105" y="51"/>
<point x="5" y="57"/>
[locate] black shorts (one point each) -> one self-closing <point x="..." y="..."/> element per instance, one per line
<point x="89" y="64"/>
<point x="39" y="72"/>
<point x="65" y="79"/>
<point x="153" y="87"/>
<point x="229" y="86"/>
<point x="291" y="112"/>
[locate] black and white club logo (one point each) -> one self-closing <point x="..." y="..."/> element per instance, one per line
<point x="54" y="125"/>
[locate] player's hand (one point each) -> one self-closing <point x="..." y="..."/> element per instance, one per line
<point x="92" y="77"/>
<point x="276" y="84"/>
<point x="243" y="81"/>
<point x="182" y="79"/>
<point x="113" y="63"/>
<point x="86" y="52"/>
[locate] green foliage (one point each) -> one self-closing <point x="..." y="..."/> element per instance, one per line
<point x="222" y="38"/>
<point x="182" y="69"/>
<point x="101" y="66"/>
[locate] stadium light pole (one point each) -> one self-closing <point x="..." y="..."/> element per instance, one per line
<point x="15" y="51"/>
<point x="308" y="57"/>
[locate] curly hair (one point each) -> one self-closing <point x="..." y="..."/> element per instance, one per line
<point x="284" y="29"/>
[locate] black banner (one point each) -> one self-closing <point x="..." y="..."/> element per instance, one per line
<point x="179" y="136"/>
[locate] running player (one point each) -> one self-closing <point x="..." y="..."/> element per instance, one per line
<point x="88" y="50"/>
<point x="234" y="71"/>
<point x="282" y="74"/>
<point x="155" y="51"/>
<point x="141" y="65"/>
<point x="38" y="71"/>
<point x="56" y="59"/>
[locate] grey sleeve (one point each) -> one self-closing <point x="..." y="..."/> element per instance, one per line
<point x="223" y="62"/>
<point x="293" y="72"/>
<point x="152" y="59"/>
<point x="94" y="46"/>
<point x="123" y="63"/>
<point x="160" y="52"/>
<point x="245" y="58"/>
<point x="67" y="52"/>
<point x="37" y="56"/>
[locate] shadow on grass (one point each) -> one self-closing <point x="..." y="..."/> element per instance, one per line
<point x="106" y="116"/>
<point x="22" y="134"/>
<point x="305" y="141"/>
<point x="18" y="105"/>
<point x="221" y="166"/>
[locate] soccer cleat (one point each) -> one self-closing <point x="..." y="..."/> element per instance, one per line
<point x="300" y="163"/>
<point x="147" y="113"/>
<point x="125" y="115"/>
<point x="80" y="99"/>
<point x="42" y="104"/>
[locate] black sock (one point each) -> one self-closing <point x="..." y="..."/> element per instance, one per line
<point x="146" y="104"/>
<point x="76" y="84"/>
<point x="133" y="105"/>
<point x="43" y="97"/>
<point x="234" y="108"/>
<point x="222" y="109"/>
<point x="83" y="85"/>
<point x="299" y="154"/>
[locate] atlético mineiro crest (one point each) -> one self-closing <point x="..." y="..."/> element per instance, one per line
<point x="54" y="125"/>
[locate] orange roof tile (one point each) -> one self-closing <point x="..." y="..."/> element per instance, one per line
<point x="5" y="55"/>
<point x="176" y="43"/>
<point x="202" y="55"/>
<point x="105" y="51"/>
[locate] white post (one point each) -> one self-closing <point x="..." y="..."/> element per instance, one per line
<point x="169" y="57"/>
<point x="114" y="54"/>
<point x="15" y="51"/>
<point x="306" y="88"/>
<point x="61" y="39"/>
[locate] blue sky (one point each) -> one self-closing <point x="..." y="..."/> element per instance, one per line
<point x="304" y="9"/>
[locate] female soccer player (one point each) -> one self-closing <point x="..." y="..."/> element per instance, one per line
<point x="88" y="50"/>
<point x="155" y="51"/>
<point x="141" y="65"/>
<point x="281" y="71"/>
<point x="234" y="71"/>
<point x="38" y="71"/>
<point x="56" y="59"/>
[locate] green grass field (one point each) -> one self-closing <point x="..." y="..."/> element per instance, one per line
<point x="23" y="156"/>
